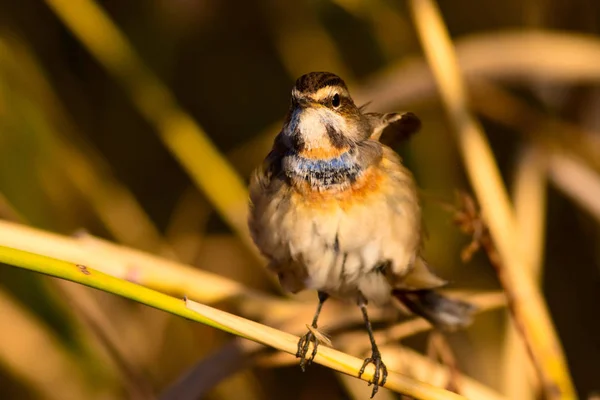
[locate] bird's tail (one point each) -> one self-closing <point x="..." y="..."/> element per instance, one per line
<point x="442" y="312"/>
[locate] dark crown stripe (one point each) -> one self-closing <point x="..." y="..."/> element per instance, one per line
<point x="332" y="81"/>
<point x="311" y="82"/>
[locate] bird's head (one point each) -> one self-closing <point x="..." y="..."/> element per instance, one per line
<point x="323" y="121"/>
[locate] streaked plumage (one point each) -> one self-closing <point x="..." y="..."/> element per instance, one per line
<point x="334" y="210"/>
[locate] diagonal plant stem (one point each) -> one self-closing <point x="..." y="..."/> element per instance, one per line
<point x="527" y="306"/>
<point x="573" y="166"/>
<point x="183" y="136"/>
<point x="529" y="197"/>
<point x="212" y="317"/>
<point x="113" y="203"/>
<point x="416" y="364"/>
<point x="203" y="376"/>
<point x="124" y="263"/>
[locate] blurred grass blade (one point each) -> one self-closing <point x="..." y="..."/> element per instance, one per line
<point x="573" y="161"/>
<point x="413" y="364"/>
<point x="326" y="356"/>
<point x="356" y="390"/>
<point x="487" y="301"/>
<point x="32" y="354"/>
<point x="199" y="380"/>
<point x="529" y="196"/>
<point x="179" y="132"/>
<point x="114" y="204"/>
<point x="124" y="263"/>
<point x="297" y="33"/>
<point x="422" y="367"/>
<point x="508" y="55"/>
<point x="212" y="317"/>
<point x="149" y="270"/>
<point x="98" y="324"/>
<point x="527" y="305"/>
<point x="578" y="181"/>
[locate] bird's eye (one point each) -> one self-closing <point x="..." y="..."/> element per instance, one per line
<point x="335" y="100"/>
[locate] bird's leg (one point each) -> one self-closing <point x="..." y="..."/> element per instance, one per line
<point x="375" y="359"/>
<point x="305" y="340"/>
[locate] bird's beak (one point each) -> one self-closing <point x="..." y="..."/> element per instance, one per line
<point x="300" y="104"/>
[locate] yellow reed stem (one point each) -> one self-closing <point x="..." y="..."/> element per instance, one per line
<point x="527" y="305"/>
<point x="530" y="209"/>
<point x="85" y="275"/>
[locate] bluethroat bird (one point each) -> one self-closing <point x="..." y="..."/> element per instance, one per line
<point x="334" y="210"/>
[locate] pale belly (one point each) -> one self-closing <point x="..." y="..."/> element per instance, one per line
<point x="341" y="246"/>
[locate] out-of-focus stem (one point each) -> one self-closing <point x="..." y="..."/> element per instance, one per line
<point x="529" y="196"/>
<point x="525" y="301"/>
<point x="179" y="132"/>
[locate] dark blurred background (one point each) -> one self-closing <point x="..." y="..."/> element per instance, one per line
<point x="78" y="154"/>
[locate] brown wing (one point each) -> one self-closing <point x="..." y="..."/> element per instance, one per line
<point x="393" y="128"/>
<point x="413" y="273"/>
<point x="269" y="200"/>
<point x="265" y="181"/>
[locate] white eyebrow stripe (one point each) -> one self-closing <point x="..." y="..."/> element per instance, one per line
<point x="327" y="91"/>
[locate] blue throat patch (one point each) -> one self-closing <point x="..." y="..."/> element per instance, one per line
<point x="342" y="162"/>
<point x="328" y="172"/>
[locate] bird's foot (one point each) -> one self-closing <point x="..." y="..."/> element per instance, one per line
<point x="380" y="371"/>
<point x="303" y="345"/>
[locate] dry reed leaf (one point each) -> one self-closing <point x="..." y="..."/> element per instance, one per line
<point x="550" y="133"/>
<point x="320" y="335"/>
